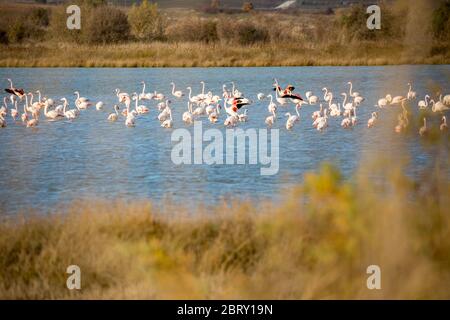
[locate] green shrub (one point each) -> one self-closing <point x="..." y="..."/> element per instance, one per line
<point x="106" y="25"/>
<point x="146" y="23"/>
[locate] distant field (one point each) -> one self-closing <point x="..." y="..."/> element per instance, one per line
<point x="191" y="38"/>
<point x="258" y="4"/>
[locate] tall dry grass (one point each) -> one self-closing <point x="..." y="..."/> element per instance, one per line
<point x="188" y="38"/>
<point x="205" y="55"/>
<point x="316" y="244"/>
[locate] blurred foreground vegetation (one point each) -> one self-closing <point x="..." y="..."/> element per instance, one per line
<point x="315" y="244"/>
<point x="415" y="32"/>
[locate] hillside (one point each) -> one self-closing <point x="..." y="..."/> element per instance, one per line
<point x="226" y="4"/>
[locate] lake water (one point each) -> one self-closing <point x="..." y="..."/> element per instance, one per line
<point x="62" y="161"/>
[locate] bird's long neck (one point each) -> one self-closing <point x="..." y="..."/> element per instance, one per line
<point x="143" y="88"/>
<point x="31" y="101"/>
<point x="39" y="96"/>
<point x="65" y="106"/>
<point x="10" y="83"/>
<point x="173" y="88"/>
<point x="296" y="110"/>
<point x="351" y="88"/>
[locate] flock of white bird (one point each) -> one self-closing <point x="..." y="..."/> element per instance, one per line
<point x="206" y="104"/>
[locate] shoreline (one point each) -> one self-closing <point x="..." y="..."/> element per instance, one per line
<point x="189" y="55"/>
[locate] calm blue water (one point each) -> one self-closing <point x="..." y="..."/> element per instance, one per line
<point x="59" y="162"/>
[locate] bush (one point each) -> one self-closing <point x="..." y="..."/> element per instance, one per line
<point x="145" y="21"/>
<point x="106" y="25"/>
<point x="355" y="24"/>
<point x="21" y="30"/>
<point x="16" y="31"/>
<point x="247" y="7"/>
<point x="441" y="22"/>
<point x="40" y="17"/>
<point x="58" y="30"/>
<point x="195" y="30"/>
<point x="212" y="8"/>
<point x="248" y="33"/>
<point x="3" y="37"/>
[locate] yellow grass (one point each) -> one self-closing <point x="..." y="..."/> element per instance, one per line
<point x="203" y="55"/>
<point x="316" y="244"/>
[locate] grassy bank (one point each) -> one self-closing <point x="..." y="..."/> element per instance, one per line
<point x="203" y="55"/>
<point x="145" y="36"/>
<point x="316" y="244"/>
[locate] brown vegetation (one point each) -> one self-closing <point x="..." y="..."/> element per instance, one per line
<point x="316" y="244"/>
<point x="147" y="36"/>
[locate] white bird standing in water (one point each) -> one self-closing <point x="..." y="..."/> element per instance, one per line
<point x="371" y="122"/>
<point x="69" y="114"/>
<point x="2" y="122"/>
<point x="423" y="130"/>
<point x="423" y="104"/>
<point x="270" y="120"/>
<point x="411" y="94"/>
<point x="443" y="126"/>
<point x="14" y="111"/>
<point x="115" y="115"/>
<point x="187" y="115"/>
<point x="99" y="105"/>
<point x="243" y="117"/>
<point x="168" y="122"/>
<point x="176" y="93"/>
